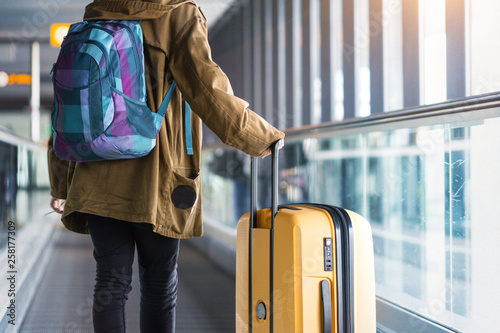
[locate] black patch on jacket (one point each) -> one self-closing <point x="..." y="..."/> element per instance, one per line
<point x="183" y="197"/>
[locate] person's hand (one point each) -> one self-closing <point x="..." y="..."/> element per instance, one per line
<point x="269" y="150"/>
<point x="57" y="205"/>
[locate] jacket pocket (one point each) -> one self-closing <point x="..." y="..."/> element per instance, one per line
<point x="185" y="199"/>
<point x="185" y="189"/>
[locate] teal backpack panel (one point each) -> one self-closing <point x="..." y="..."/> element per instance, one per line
<point x="100" y="110"/>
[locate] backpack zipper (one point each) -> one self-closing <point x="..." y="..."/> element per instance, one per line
<point x="88" y="26"/>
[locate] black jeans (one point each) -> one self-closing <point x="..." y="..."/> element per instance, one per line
<point x="114" y="246"/>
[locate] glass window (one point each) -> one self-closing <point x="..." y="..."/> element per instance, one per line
<point x="24" y="184"/>
<point x="315" y="36"/>
<point x="336" y="67"/>
<point x="482" y="29"/>
<point x="392" y="25"/>
<point x="433" y="51"/>
<point x="362" y="56"/>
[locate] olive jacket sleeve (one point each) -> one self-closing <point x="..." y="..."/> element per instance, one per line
<point x="208" y="91"/>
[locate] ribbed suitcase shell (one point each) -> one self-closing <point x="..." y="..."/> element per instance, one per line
<point x="299" y="267"/>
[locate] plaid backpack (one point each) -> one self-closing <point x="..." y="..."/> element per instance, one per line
<point x="100" y="110"/>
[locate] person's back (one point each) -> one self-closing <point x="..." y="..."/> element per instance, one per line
<point x="155" y="199"/>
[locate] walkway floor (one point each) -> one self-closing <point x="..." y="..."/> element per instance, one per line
<point x="63" y="303"/>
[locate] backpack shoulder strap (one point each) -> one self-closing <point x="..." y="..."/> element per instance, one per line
<point x="187" y="124"/>
<point x="163" y="107"/>
<point x="187" y="118"/>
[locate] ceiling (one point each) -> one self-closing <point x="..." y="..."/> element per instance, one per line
<point x="28" y="19"/>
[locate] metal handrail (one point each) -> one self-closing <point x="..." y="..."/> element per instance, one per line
<point x="450" y="107"/>
<point x="12" y="138"/>
<point x="473" y="103"/>
<point x="24" y="40"/>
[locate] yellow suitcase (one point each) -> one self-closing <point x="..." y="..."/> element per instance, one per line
<point x="303" y="268"/>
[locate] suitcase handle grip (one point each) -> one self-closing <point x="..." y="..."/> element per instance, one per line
<point x="327" y="306"/>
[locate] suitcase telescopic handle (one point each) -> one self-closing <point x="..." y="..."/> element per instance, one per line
<point x="274" y="185"/>
<point x="253" y="224"/>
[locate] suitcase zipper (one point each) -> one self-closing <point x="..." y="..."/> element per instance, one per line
<point x="345" y="276"/>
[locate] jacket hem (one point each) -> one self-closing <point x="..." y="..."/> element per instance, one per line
<point x="79" y="224"/>
<point x="58" y="195"/>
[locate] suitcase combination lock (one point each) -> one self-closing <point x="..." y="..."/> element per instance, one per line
<point x="328" y="256"/>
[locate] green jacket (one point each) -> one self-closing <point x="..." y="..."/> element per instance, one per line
<point x="140" y="189"/>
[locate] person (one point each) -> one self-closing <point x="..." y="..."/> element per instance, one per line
<point x="154" y="201"/>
